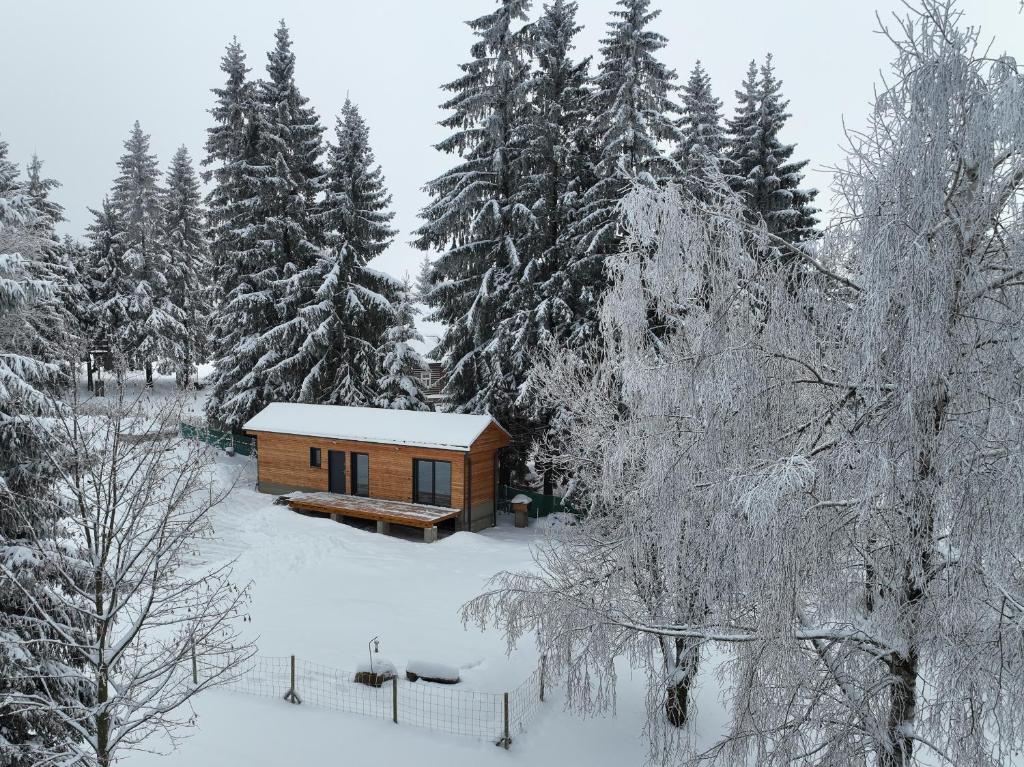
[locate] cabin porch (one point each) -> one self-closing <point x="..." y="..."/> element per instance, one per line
<point x="384" y="512"/>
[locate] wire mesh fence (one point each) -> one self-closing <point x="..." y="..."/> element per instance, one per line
<point x="497" y="717"/>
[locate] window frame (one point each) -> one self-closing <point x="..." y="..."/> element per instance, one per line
<point x="318" y="453"/>
<point x="355" y="474"/>
<point x="433" y="481"/>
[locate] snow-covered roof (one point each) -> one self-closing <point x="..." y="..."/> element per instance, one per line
<point x="446" y="431"/>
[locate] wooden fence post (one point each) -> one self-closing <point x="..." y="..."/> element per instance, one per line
<point x="195" y="669"/>
<point x="394" y="699"/>
<point x="506" y="740"/>
<point x="292" y="696"/>
<point x="542" y="659"/>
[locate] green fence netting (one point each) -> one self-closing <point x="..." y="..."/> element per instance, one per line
<point x="242" y="444"/>
<point x="540" y="505"/>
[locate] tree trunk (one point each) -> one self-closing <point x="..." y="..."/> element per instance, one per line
<point x="902" y="708"/>
<point x="677" y="691"/>
<point x="88" y="371"/>
<point x="149" y="375"/>
<point x="549" y="480"/>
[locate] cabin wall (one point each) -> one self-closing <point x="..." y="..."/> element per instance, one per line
<point x="283" y="466"/>
<point x="482" y="458"/>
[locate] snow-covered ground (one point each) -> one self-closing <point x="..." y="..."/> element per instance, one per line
<point x="322" y="590"/>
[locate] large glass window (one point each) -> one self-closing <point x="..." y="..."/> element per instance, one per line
<point x="432" y="482"/>
<point x="361" y="474"/>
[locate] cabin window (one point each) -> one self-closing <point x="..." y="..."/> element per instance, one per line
<point x="432" y="482"/>
<point x="361" y="474"/>
<point x="314" y="457"/>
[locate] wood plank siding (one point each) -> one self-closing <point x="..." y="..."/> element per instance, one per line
<point x="283" y="466"/>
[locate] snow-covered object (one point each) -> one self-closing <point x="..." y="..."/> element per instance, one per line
<point x="431" y="672"/>
<point x="446" y="431"/>
<point x="520" y="498"/>
<point x="380" y="666"/>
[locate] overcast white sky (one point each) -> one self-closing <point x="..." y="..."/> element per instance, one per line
<point x="77" y="74"/>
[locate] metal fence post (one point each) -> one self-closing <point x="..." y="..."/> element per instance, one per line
<point x="506" y="740"/>
<point x="394" y="699"/>
<point x="292" y="696"/>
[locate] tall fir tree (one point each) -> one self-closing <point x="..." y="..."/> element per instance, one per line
<point x="477" y="219"/>
<point x="189" y="283"/>
<point x="31" y="660"/>
<point x="399" y="387"/>
<point x="327" y="352"/>
<point x="633" y="108"/>
<point x="545" y="299"/>
<point x="279" y="160"/>
<point x="760" y="166"/>
<point x="154" y="330"/>
<point x="701" y="134"/>
<point x="109" y="278"/>
<point x="59" y="328"/>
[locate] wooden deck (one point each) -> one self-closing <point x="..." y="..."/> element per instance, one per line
<point x="384" y="512"/>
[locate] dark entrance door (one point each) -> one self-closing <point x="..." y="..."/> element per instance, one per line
<point x="336" y="471"/>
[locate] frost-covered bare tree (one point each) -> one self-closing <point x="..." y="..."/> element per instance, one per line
<point x="822" y="477"/>
<point x="137" y="499"/>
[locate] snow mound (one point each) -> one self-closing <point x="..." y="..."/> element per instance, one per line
<point x="431" y="672"/>
<point x="380" y="666"/>
<point x="520" y="498"/>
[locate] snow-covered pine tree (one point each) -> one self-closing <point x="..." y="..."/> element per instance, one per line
<point x="328" y="352"/>
<point x="701" y="135"/>
<point x="399" y="387"/>
<point x="544" y="304"/>
<point x="424" y="280"/>
<point x="230" y="144"/>
<point x="477" y="218"/>
<point x="760" y="167"/>
<point x="242" y="270"/>
<point x="109" y="280"/>
<point x="633" y="108"/>
<point x="58" y="317"/>
<point x="281" y="241"/>
<point x="154" y="330"/>
<point x="31" y="661"/>
<point x="189" y="275"/>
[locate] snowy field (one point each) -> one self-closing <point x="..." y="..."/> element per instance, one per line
<point x="321" y="590"/>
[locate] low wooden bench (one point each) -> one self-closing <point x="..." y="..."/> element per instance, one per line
<point x="384" y="512"/>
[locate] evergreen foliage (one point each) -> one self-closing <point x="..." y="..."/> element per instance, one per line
<point x="760" y="167"/>
<point x="399" y="386"/>
<point x="478" y="217"/>
<point x="189" y="271"/>
<point x="31" y="661"/>
<point x="154" y="329"/>
<point x="701" y="135"/>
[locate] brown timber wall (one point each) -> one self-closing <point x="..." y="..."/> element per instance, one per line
<point x="482" y="477"/>
<point x="283" y="465"/>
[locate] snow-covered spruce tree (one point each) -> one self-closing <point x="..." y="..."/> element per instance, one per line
<point x="108" y="277"/>
<point x="327" y="352"/>
<point x="399" y="387"/>
<point x="281" y="243"/>
<point x="841" y="486"/>
<point x="244" y="306"/>
<point x="424" y="280"/>
<point x="31" y="663"/>
<point x="57" y="321"/>
<point x="701" y="135"/>
<point x="633" y="109"/>
<point x="760" y="167"/>
<point x="141" y="503"/>
<point x="544" y="303"/>
<point x="477" y="218"/>
<point x="189" y="273"/>
<point x="154" y="331"/>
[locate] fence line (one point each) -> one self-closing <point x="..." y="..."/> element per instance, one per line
<point x="498" y="717"/>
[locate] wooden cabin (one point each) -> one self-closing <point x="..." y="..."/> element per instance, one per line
<point x="392" y="466"/>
